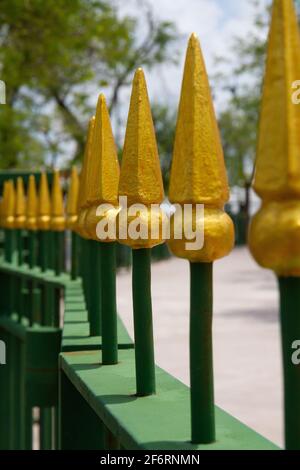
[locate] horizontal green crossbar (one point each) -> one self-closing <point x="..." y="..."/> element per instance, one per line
<point x="160" y="421"/>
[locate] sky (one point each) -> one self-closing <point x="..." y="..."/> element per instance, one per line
<point x="216" y="23"/>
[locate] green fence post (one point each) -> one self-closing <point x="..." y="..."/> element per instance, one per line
<point x="45" y="248"/>
<point x="72" y="217"/>
<point x="141" y="185"/>
<point x="101" y="192"/>
<point x="198" y="186"/>
<point x="274" y="238"/>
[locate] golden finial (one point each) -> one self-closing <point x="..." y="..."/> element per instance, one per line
<point x="72" y="202"/>
<point x="9" y="205"/>
<point x="83" y="183"/>
<point x="140" y="178"/>
<point x="20" y="215"/>
<point x="4" y="203"/>
<point x="32" y="205"/>
<point x="102" y="176"/>
<point x="198" y="174"/>
<point x="44" y="205"/>
<point x="57" y="222"/>
<point x="274" y="236"/>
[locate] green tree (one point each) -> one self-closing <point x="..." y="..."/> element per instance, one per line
<point x="240" y="117"/>
<point x="54" y="56"/>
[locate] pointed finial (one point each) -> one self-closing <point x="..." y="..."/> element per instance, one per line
<point x="20" y="216"/>
<point x="44" y="205"/>
<point x="198" y="174"/>
<point x="102" y="174"/>
<point x="274" y="236"/>
<point x="140" y="178"/>
<point x="9" y="205"/>
<point x="4" y="203"/>
<point x="32" y="205"/>
<point x="57" y="222"/>
<point x="83" y="183"/>
<point x="72" y="202"/>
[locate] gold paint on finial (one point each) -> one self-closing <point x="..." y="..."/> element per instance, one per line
<point x="9" y="205"/>
<point x="72" y="202"/>
<point x="102" y="175"/>
<point x="274" y="235"/>
<point x="32" y="205"/>
<point x="83" y="182"/>
<point x="44" y="205"/>
<point x="198" y="174"/>
<point x="57" y="222"/>
<point x="20" y="215"/>
<point x="4" y="203"/>
<point x="140" y="178"/>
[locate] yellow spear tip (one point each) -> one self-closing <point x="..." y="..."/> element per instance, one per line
<point x="193" y="39"/>
<point x="139" y="75"/>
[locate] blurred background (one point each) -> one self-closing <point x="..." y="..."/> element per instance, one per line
<point x="56" y="57"/>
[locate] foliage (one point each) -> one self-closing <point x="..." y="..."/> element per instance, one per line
<point x="54" y="56"/>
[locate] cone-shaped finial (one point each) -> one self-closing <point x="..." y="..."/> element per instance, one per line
<point x="72" y="202"/>
<point x="57" y="222"/>
<point x="278" y="153"/>
<point x="274" y="237"/>
<point x="9" y="205"/>
<point x="4" y="203"/>
<point x="83" y="182"/>
<point x="103" y="168"/>
<point x="20" y="216"/>
<point x="140" y="179"/>
<point x="44" y="205"/>
<point x="32" y="205"/>
<point x="198" y="174"/>
<point x="102" y="174"/>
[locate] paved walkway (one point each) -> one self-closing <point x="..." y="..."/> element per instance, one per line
<point x="247" y="363"/>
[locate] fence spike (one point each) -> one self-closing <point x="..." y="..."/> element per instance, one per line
<point x="198" y="174"/>
<point x="44" y="205"/>
<point x="274" y="237"/>
<point x="32" y="205"/>
<point x="57" y="222"/>
<point x="4" y="203"/>
<point x="9" y="205"/>
<point x="277" y="175"/>
<point x="82" y="195"/>
<point x="141" y="182"/>
<point x="103" y="172"/>
<point x="141" y="178"/>
<point x="72" y="201"/>
<point x="20" y="215"/>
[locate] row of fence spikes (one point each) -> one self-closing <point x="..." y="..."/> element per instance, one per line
<point x="198" y="174"/>
<point x="43" y="211"/>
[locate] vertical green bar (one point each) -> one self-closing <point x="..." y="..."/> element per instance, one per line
<point x="94" y="281"/>
<point x="59" y="252"/>
<point x="109" y="303"/>
<point x="201" y="354"/>
<point x="46" y="252"/>
<point x="290" y="331"/>
<point x="74" y="255"/>
<point x="143" y="327"/>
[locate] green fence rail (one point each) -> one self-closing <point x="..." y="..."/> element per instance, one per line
<point x="73" y="379"/>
